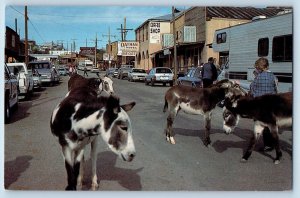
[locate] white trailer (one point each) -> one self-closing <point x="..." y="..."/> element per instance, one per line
<point x="241" y="45"/>
<point x="88" y="64"/>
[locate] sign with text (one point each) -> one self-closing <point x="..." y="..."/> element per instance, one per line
<point x="107" y="56"/>
<point x="154" y="28"/>
<point x="87" y="50"/>
<point x="128" y="48"/>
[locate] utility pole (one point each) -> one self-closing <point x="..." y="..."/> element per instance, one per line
<point x="124" y="30"/>
<point x="73" y="48"/>
<point x="123" y="35"/>
<point x="175" y="47"/>
<point x="109" y="47"/>
<point x="60" y="42"/>
<point x="26" y="37"/>
<point x="96" y="51"/>
<point x="96" y="44"/>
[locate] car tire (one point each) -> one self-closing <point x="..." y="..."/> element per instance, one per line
<point x="7" y="112"/>
<point x="146" y="82"/>
<point x="171" y="84"/>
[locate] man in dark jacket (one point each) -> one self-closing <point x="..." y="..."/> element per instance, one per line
<point x="209" y="73"/>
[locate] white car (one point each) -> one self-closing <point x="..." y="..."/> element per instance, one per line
<point x="162" y="75"/>
<point x="136" y="74"/>
<point x="11" y="93"/>
<point x="24" y="77"/>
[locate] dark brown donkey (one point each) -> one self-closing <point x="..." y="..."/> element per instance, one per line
<point x="199" y="101"/>
<point x="271" y="110"/>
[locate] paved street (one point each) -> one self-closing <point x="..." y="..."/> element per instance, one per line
<point x="33" y="159"/>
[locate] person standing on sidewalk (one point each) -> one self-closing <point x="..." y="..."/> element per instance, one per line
<point x="265" y="82"/>
<point x="209" y="73"/>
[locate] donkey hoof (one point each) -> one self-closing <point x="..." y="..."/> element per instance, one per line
<point x="79" y="186"/>
<point x="95" y="186"/>
<point x="243" y="160"/>
<point x="276" y="161"/>
<point x="207" y="144"/>
<point x="172" y="140"/>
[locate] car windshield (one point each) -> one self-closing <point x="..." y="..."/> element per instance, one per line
<point x="39" y="65"/>
<point x="163" y="70"/>
<point x="191" y="72"/>
<point x="129" y="66"/>
<point x="139" y="71"/>
<point x="19" y="67"/>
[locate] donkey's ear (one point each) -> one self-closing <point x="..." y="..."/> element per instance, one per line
<point x="128" y="107"/>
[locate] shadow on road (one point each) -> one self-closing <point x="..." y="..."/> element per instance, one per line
<point x="222" y="145"/>
<point x="106" y="170"/>
<point x="13" y="169"/>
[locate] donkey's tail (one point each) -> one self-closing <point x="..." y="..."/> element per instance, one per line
<point x="166" y="106"/>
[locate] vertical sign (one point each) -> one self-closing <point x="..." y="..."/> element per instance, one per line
<point x="154" y="32"/>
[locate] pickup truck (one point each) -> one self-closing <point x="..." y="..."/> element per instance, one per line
<point x="24" y="77"/>
<point x="11" y="93"/>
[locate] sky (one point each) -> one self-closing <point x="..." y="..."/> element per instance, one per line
<point x="80" y="23"/>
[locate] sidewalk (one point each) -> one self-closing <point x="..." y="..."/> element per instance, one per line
<point x="282" y="87"/>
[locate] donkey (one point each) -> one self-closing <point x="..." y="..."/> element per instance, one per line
<point x="79" y="119"/>
<point x="271" y="110"/>
<point x="199" y="101"/>
<point x="102" y="84"/>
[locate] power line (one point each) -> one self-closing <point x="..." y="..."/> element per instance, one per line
<point x="16" y="10"/>
<point x="97" y="17"/>
<point x="36" y="30"/>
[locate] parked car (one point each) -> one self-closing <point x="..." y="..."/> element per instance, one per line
<point x="24" y="78"/>
<point x="45" y="70"/>
<point x="136" y="74"/>
<point x="37" y="83"/>
<point x="127" y="66"/>
<point x="160" y="75"/>
<point x="11" y="93"/>
<point x="63" y="71"/>
<point x="110" y="71"/>
<point x="123" y="72"/>
<point x="56" y="75"/>
<point x="116" y="73"/>
<point x="192" y="78"/>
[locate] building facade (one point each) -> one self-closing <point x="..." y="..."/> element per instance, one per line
<point x="195" y="29"/>
<point x="149" y="37"/>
